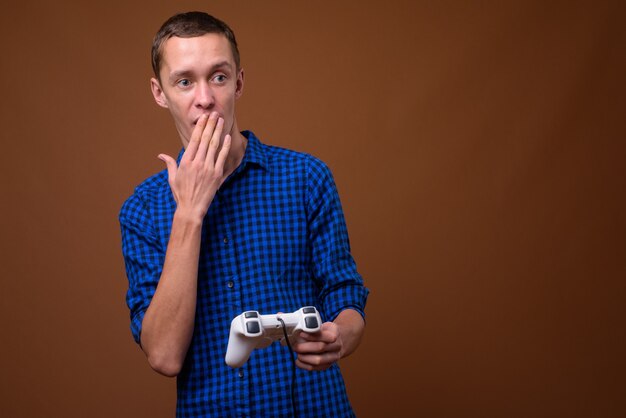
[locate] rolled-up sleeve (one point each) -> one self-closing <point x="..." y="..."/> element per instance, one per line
<point x="332" y="263"/>
<point x="143" y="257"/>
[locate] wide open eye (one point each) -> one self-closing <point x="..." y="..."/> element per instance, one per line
<point x="219" y="78"/>
<point x="183" y="83"/>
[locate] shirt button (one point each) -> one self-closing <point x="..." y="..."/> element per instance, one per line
<point x="230" y="284"/>
<point x="225" y="240"/>
<point x="241" y="373"/>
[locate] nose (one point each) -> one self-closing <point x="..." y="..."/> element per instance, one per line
<point x="204" y="98"/>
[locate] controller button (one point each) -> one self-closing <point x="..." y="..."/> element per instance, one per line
<point x="253" y="327"/>
<point x="311" y="322"/>
<point x="251" y="314"/>
<point x="308" y="309"/>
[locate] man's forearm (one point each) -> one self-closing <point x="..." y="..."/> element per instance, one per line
<point x="169" y="320"/>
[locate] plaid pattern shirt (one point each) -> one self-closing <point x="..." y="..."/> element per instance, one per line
<point x="274" y="239"/>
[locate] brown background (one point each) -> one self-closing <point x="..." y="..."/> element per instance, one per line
<point x="479" y="150"/>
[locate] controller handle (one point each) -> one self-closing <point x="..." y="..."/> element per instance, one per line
<point x="246" y="333"/>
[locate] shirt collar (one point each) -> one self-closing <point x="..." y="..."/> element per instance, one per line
<point x="255" y="151"/>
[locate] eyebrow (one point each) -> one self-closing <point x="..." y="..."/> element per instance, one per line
<point x="186" y="73"/>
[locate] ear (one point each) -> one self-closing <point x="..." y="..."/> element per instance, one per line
<point x="239" y="86"/>
<point x="157" y="93"/>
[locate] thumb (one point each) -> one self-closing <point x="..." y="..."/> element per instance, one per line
<point x="171" y="165"/>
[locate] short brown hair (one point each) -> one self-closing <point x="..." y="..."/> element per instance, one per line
<point x="190" y="25"/>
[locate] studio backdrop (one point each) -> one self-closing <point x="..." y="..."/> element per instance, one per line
<point x="479" y="152"/>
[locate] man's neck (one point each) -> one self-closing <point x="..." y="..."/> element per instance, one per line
<point x="237" y="150"/>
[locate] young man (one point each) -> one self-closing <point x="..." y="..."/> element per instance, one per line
<point x="235" y="225"/>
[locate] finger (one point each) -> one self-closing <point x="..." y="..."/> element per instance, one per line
<point x="207" y="134"/>
<point x="171" y="166"/>
<point x="316" y="362"/>
<point x="223" y="154"/>
<point x="316" y="347"/>
<point x="214" y="143"/>
<point x="327" y="335"/>
<point x="194" y="142"/>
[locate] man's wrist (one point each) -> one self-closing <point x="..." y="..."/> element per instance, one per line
<point x="188" y="217"/>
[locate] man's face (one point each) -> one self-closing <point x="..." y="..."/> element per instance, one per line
<point x="198" y="76"/>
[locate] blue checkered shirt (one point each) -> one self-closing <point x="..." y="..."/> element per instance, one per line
<point x="274" y="239"/>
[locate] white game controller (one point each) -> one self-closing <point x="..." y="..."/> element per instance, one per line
<point x="251" y="330"/>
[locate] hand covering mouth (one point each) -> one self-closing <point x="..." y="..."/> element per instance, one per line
<point x="195" y="121"/>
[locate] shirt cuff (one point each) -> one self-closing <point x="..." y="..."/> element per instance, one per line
<point x="345" y="297"/>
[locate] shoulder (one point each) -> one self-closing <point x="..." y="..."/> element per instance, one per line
<point x="146" y="194"/>
<point x="153" y="184"/>
<point x="298" y="167"/>
<point x="278" y="158"/>
<point x="307" y="164"/>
